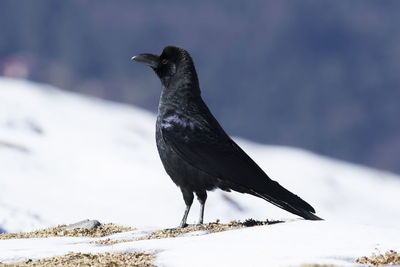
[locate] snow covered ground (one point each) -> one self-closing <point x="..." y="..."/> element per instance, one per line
<point x="285" y="244"/>
<point x="65" y="157"/>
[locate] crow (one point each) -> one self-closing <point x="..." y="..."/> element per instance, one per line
<point x="196" y="152"/>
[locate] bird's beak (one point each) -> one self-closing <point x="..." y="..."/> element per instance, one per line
<point x="148" y="59"/>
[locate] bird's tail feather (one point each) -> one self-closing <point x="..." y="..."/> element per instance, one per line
<point x="289" y="202"/>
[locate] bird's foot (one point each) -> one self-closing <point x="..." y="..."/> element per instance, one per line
<point x="183" y="225"/>
<point x="177" y="228"/>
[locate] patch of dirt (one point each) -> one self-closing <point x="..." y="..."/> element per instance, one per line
<point x="213" y="227"/>
<point x="136" y="259"/>
<point x="391" y="257"/>
<point x="60" y="231"/>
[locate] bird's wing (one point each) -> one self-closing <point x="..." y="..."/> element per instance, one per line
<point x="213" y="152"/>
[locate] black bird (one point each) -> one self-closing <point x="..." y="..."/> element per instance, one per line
<point x="196" y="152"/>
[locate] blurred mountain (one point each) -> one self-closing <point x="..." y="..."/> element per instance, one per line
<point x="321" y="75"/>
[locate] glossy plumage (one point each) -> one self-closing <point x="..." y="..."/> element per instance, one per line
<point x="196" y="152"/>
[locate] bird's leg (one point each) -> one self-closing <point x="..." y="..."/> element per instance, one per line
<point x="183" y="222"/>
<point x="201" y="213"/>
<point x="202" y="197"/>
<point x="188" y="197"/>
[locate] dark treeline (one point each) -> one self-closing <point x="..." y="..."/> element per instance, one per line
<point x="322" y="75"/>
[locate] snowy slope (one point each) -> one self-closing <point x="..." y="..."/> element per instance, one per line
<point x="65" y="157"/>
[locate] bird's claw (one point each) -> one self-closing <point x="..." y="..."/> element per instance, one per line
<point x="183" y="225"/>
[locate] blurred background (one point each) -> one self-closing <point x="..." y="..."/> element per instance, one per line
<point x="320" y="75"/>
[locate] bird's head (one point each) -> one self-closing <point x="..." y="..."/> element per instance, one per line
<point x="174" y="66"/>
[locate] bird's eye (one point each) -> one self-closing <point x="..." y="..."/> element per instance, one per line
<point x="164" y="61"/>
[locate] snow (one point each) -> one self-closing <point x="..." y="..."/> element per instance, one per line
<point x="285" y="244"/>
<point x="66" y="157"/>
